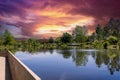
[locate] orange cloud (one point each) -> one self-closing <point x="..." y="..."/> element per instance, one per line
<point x="61" y="23"/>
<point x="55" y="12"/>
<point x="56" y="20"/>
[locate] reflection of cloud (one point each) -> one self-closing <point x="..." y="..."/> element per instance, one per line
<point x="33" y="16"/>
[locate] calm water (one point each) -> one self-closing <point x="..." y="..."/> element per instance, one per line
<point x="73" y="64"/>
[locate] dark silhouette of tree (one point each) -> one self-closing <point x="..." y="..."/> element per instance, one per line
<point x="93" y="37"/>
<point x="66" y="38"/>
<point x="51" y="40"/>
<point x="112" y="28"/>
<point x="99" y="32"/>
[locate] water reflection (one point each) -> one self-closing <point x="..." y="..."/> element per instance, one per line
<point x="108" y="60"/>
<point x="80" y="58"/>
<point x="111" y="58"/>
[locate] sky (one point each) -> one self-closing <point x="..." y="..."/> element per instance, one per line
<point x="50" y="18"/>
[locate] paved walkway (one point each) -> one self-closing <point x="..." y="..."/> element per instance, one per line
<point x="4" y="68"/>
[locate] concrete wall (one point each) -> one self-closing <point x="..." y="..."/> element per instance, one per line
<point x="18" y="70"/>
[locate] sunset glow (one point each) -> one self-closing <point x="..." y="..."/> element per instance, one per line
<point x="50" y="18"/>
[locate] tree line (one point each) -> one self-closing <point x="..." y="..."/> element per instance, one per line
<point x="101" y="38"/>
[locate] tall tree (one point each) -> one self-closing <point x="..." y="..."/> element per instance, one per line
<point x="112" y="28"/>
<point x="99" y="32"/>
<point x="79" y="34"/>
<point x="92" y="37"/>
<point x="106" y="31"/>
<point x="66" y="38"/>
<point x="51" y="40"/>
<point x="8" y="38"/>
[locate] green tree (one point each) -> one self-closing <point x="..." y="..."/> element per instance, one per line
<point x="80" y="34"/>
<point x="58" y="40"/>
<point x="112" y="39"/>
<point x="99" y="32"/>
<point x="106" y="32"/>
<point x="51" y="40"/>
<point x="66" y="38"/>
<point x="92" y="37"/>
<point x="32" y="42"/>
<point x="1" y="40"/>
<point x="8" y="38"/>
<point x="112" y="28"/>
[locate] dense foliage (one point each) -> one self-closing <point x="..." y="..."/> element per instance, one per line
<point x="66" y="38"/>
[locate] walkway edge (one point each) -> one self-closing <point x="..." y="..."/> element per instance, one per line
<point x="31" y="75"/>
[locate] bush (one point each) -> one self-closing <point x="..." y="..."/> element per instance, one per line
<point x="98" y="44"/>
<point x="106" y="44"/>
<point x="118" y="44"/>
<point x="112" y="40"/>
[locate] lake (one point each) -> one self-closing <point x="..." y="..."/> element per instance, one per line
<point x="73" y="64"/>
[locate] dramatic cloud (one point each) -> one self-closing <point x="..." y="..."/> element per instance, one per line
<point x="45" y="18"/>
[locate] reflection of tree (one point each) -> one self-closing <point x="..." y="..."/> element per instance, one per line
<point x="31" y="50"/>
<point x="66" y="53"/>
<point x="111" y="58"/>
<point x="51" y="51"/>
<point x="99" y="59"/>
<point x="81" y="58"/>
<point x="114" y="62"/>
